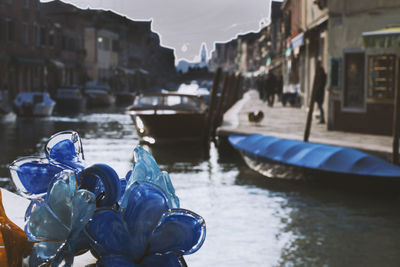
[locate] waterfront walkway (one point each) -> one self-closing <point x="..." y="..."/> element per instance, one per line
<point x="289" y="122"/>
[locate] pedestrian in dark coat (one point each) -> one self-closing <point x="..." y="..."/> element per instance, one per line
<point x="319" y="89"/>
<point x="260" y="87"/>
<point x="270" y="88"/>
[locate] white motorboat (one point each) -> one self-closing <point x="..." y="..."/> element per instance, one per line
<point x="33" y="104"/>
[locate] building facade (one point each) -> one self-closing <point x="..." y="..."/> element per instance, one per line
<point x="22" y="44"/>
<point x="364" y="65"/>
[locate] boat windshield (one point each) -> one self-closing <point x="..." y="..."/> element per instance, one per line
<point x="169" y="101"/>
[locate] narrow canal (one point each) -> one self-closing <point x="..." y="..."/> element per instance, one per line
<point x="251" y="220"/>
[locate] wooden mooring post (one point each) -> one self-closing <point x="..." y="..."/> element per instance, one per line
<point x="212" y="106"/>
<point x="309" y="115"/>
<point x="396" y="124"/>
<point x="221" y="103"/>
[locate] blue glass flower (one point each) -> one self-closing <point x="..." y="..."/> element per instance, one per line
<point x="32" y="175"/>
<point x="63" y="151"/>
<point x="56" y="222"/>
<point x="146" y="170"/>
<point x="145" y="231"/>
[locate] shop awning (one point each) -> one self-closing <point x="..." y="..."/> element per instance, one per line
<point x="384" y="38"/>
<point x="142" y="71"/>
<point x="386" y="31"/>
<point x="298" y="41"/>
<point x="30" y="60"/>
<point x="57" y="63"/>
<point x="126" y="70"/>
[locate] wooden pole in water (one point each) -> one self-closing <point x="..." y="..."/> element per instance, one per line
<point x="396" y="124"/>
<point x="234" y="96"/>
<point x="212" y="105"/>
<point x="309" y="115"/>
<point x="221" y="103"/>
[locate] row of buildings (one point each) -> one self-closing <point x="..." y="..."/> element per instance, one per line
<point x="44" y="46"/>
<point x="358" y="43"/>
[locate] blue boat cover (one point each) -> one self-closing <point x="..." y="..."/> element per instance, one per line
<point x="312" y="155"/>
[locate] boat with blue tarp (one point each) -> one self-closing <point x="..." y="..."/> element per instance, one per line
<point x="343" y="162"/>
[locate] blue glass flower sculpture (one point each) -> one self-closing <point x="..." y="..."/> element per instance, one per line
<point x="56" y="222"/>
<point x="63" y="151"/>
<point x="147" y="230"/>
<point x="133" y="221"/>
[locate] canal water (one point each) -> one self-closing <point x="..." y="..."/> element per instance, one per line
<point x="251" y="220"/>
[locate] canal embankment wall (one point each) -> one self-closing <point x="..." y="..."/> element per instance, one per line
<point x="289" y="122"/>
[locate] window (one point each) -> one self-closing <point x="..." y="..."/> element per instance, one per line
<point x="335" y="73"/>
<point x="25" y="33"/>
<point x="9" y="30"/>
<point x="103" y="43"/>
<point x="36" y="30"/>
<point x="354" y="94"/>
<point x="43" y="35"/>
<point x="381" y="71"/>
<point x="36" y="4"/>
<point x="25" y="3"/>
<point x="115" y="45"/>
<point x="2" y="30"/>
<point x="71" y="44"/>
<point x="64" y="42"/>
<point x="51" y="38"/>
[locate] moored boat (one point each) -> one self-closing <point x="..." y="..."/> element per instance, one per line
<point x="343" y="163"/>
<point x="124" y="98"/>
<point x="33" y="104"/>
<point x="98" y="94"/>
<point x="161" y="116"/>
<point x="70" y="100"/>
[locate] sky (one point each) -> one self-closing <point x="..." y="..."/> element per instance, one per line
<point x="184" y="25"/>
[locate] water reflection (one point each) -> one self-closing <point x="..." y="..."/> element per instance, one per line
<point x="251" y="220"/>
<point x="322" y="226"/>
<point x="171" y="154"/>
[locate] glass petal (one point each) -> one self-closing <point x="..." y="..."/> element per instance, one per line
<point x="42" y="223"/>
<point x="59" y="199"/>
<point x="32" y="175"/>
<point x="66" y="148"/>
<point x="145" y="204"/>
<point x="169" y="260"/>
<point x="108" y="233"/>
<point x="179" y="231"/>
<point x="43" y="251"/>
<point x="83" y="206"/>
<point x="90" y="178"/>
<point x="122" y="182"/>
<point x="164" y="182"/>
<point x="115" y="261"/>
<point x="146" y="171"/>
<point x="145" y="168"/>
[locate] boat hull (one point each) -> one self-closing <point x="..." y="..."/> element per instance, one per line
<point x="188" y="126"/>
<point x="343" y="182"/>
<point x="100" y="101"/>
<point x="71" y="105"/>
<point x="34" y="110"/>
<point x="346" y="165"/>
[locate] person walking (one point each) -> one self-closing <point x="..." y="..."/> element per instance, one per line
<point x="270" y="88"/>
<point x="260" y="87"/>
<point x="319" y="89"/>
